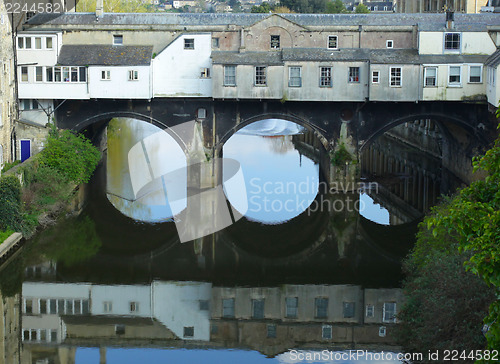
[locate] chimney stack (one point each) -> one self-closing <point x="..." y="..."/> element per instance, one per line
<point x="450" y="19"/>
<point x="99" y="9"/>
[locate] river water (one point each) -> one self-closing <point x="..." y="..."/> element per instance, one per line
<point x="303" y="275"/>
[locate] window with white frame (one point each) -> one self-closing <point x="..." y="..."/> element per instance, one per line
<point x="375" y="76"/>
<point x="353" y="75"/>
<point x="20" y="42"/>
<point x="118" y="39"/>
<point x="491" y="75"/>
<point x="333" y="42"/>
<point x="294" y="76"/>
<point x="452" y="41"/>
<point x="133" y="75"/>
<point x="229" y="75"/>
<point x="38" y="43"/>
<point x="325" y="76"/>
<point x="370" y="311"/>
<point x="389" y="314"/>
<point x="24" y="74"/>
<point x="395" y="77"/>
<point x="260" y="76"/>
<point x="105" y="75"/>
<point x="292" y="304"/>
<point x="454" y="76"/>
<point x="188" y="43"/>
<point x="475" y="74"/>
<point x="258" y="308"/>
<point x="48" y="43"/>
<point x="275" y="42"/>
<point x="430" y="76"/>
<point x="38" y="74"/>
<point x="70" y="74"/>
<point x="228" y="308"/>
<point x="389" y="44"/>
<point x="321" y="307"/>
<point x="107" y="306"/>
<point x="134" y="307"/>
<point x="27" y="43"/>
<point x="326" y="332"/>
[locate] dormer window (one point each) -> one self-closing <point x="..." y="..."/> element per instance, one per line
<point x="117" y="39"/>
<point x="275" y="42"/>
<point x="452" y="41"/>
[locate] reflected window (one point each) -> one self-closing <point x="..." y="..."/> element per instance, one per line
<point x="108" y="306"/>
<point x="134" y="307"/>
<point x="85" y="307"/>
<point x="292" y="304"/>
<point x="119" y="329"/>
<point x="321" y="307"/>
<point x="60" y="306"/>
<point x="43" y="306"/>
<point x="389" y="312"/>
<point x="78" y="307"/>
<point x="28" y="306"/>
<point x="204" y="305"/>
<point x="214" y="329"/>
<point x="370" y="311"/>
<point x="258" y="309"/>
<point x="228" y="308"/>
<point x="271" y="331"/>
<point x="326" y="331"/>
<point x="43" y="335"/>
<point x="188" y="331"/>
<point x="69" y="307"/>
<point x="348" y="309"/>
<point x="53" y="307"/>
<point x="382" y="331"/>
<point x="53" y="335"/>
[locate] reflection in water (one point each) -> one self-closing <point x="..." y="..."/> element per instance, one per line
<point x="282" y="187"/>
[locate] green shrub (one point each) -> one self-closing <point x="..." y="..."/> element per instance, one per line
<point x="5" y="234"/>
<point x="341" y="156"/>
<point x="10" y="203"/>
<point x="9" y="165"/>
<point x="71" y="154"/>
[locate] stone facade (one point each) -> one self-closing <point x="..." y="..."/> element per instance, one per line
<point x="7" y="86"/>
<point x="438" y="6"/>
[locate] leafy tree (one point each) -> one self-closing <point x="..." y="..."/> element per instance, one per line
<point x="305" y="6"/>
<point x="282" y="10"/>
<point x="335" y="7"/>
<point x="361" y="9"/>
<point x="71" y="154"/>
<point x="262" y="8"/>
<point x="115" y="6"/>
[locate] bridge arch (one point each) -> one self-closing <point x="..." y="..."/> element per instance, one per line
<point x="438" y="117"/>
<point x="292" y="118"/>
<point x="106" y="116"/>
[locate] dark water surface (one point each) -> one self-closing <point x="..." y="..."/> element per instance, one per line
<point x="286" y="282"/>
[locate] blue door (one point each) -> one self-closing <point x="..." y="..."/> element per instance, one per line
<point x="25" y="149"/>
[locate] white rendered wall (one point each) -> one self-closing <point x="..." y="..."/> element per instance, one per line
<point x="177" y="71"/>
<point x="43" y="56"/>
<point x="120" y="298"/>
<point x="470" y="43"/>
<point x="119" y="86"/>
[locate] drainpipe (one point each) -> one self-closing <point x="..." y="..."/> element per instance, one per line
<point x="369" y="81"/>
<point x="13" y="147"/>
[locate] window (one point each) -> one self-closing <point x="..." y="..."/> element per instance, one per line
<point x="38" y="74"/>
<point x="43" y="306"/>
<point x="348" y="309"/>
<point x="229" y="75"/>
<point x="430" y="75"/>
<point x="325" y="76"/>
<point x="454" y="76"/>
<point x="452" y="41"/>
<point x="38" y="43"/>
<point x="108" y="306"/>
<point x="74" y="74"/>
<point x="65" y="72"/>
<point x="24" y="74"/>
<point x="133" y="75"/>
<point x="204" y="305"/>
<point x="326" y="332"/>
<point x="491" y="75"/>
<point x="119" y="329"/>
<point x="53" y="306"/>
<point x="294" y="76"/>
<point x="189" y="43"/>
<point x="48" y="43"/>
<point x="82" y="74"/>
<point x="201" y="113"/>
<point x="53" y="335"/>
<point x="205" y="72"/>
<point x="258" y="309"/>
<point x="28" y="306"/>
<point x="188" y="331"/>
<point x="395" y="79"/>
<point x="333" y="42"/>
<point x="321" y="307"/>
<point x="106" y="75"/>
<point x="382" y="331"/>
<point x="118" y="39"/>
<point x="260" y="76"/>
<point x="271" y="331"/>
<point x="275" y="42"/>
<point x="215" y="42"/>
<point x="389" y="312"/>
<point x="134" y="307"/>
<point x="57" y="74"/>
<point x="375" y="76"/>
<point x="353" y="74"/>
<point x="292" y="304"/>
<point x="20" y="42"/>
<point x="475" y="74"/>
<point x="228" y="307"/>
<point x="49" y="74"/>
<point x="370" y="311"/>
<point x="389" y="44"/>
<point x="28" y="43"/>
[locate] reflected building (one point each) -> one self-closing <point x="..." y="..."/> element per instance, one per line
<point x="9" y="329"/>
<point x="59" y="317"/>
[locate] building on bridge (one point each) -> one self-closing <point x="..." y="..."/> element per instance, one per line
<point x="288" y="57"/>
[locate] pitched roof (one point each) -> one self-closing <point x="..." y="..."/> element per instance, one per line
<point x="494" y="59"/>
<point x="104" y="55"/>
<point x="271" y="58"/>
